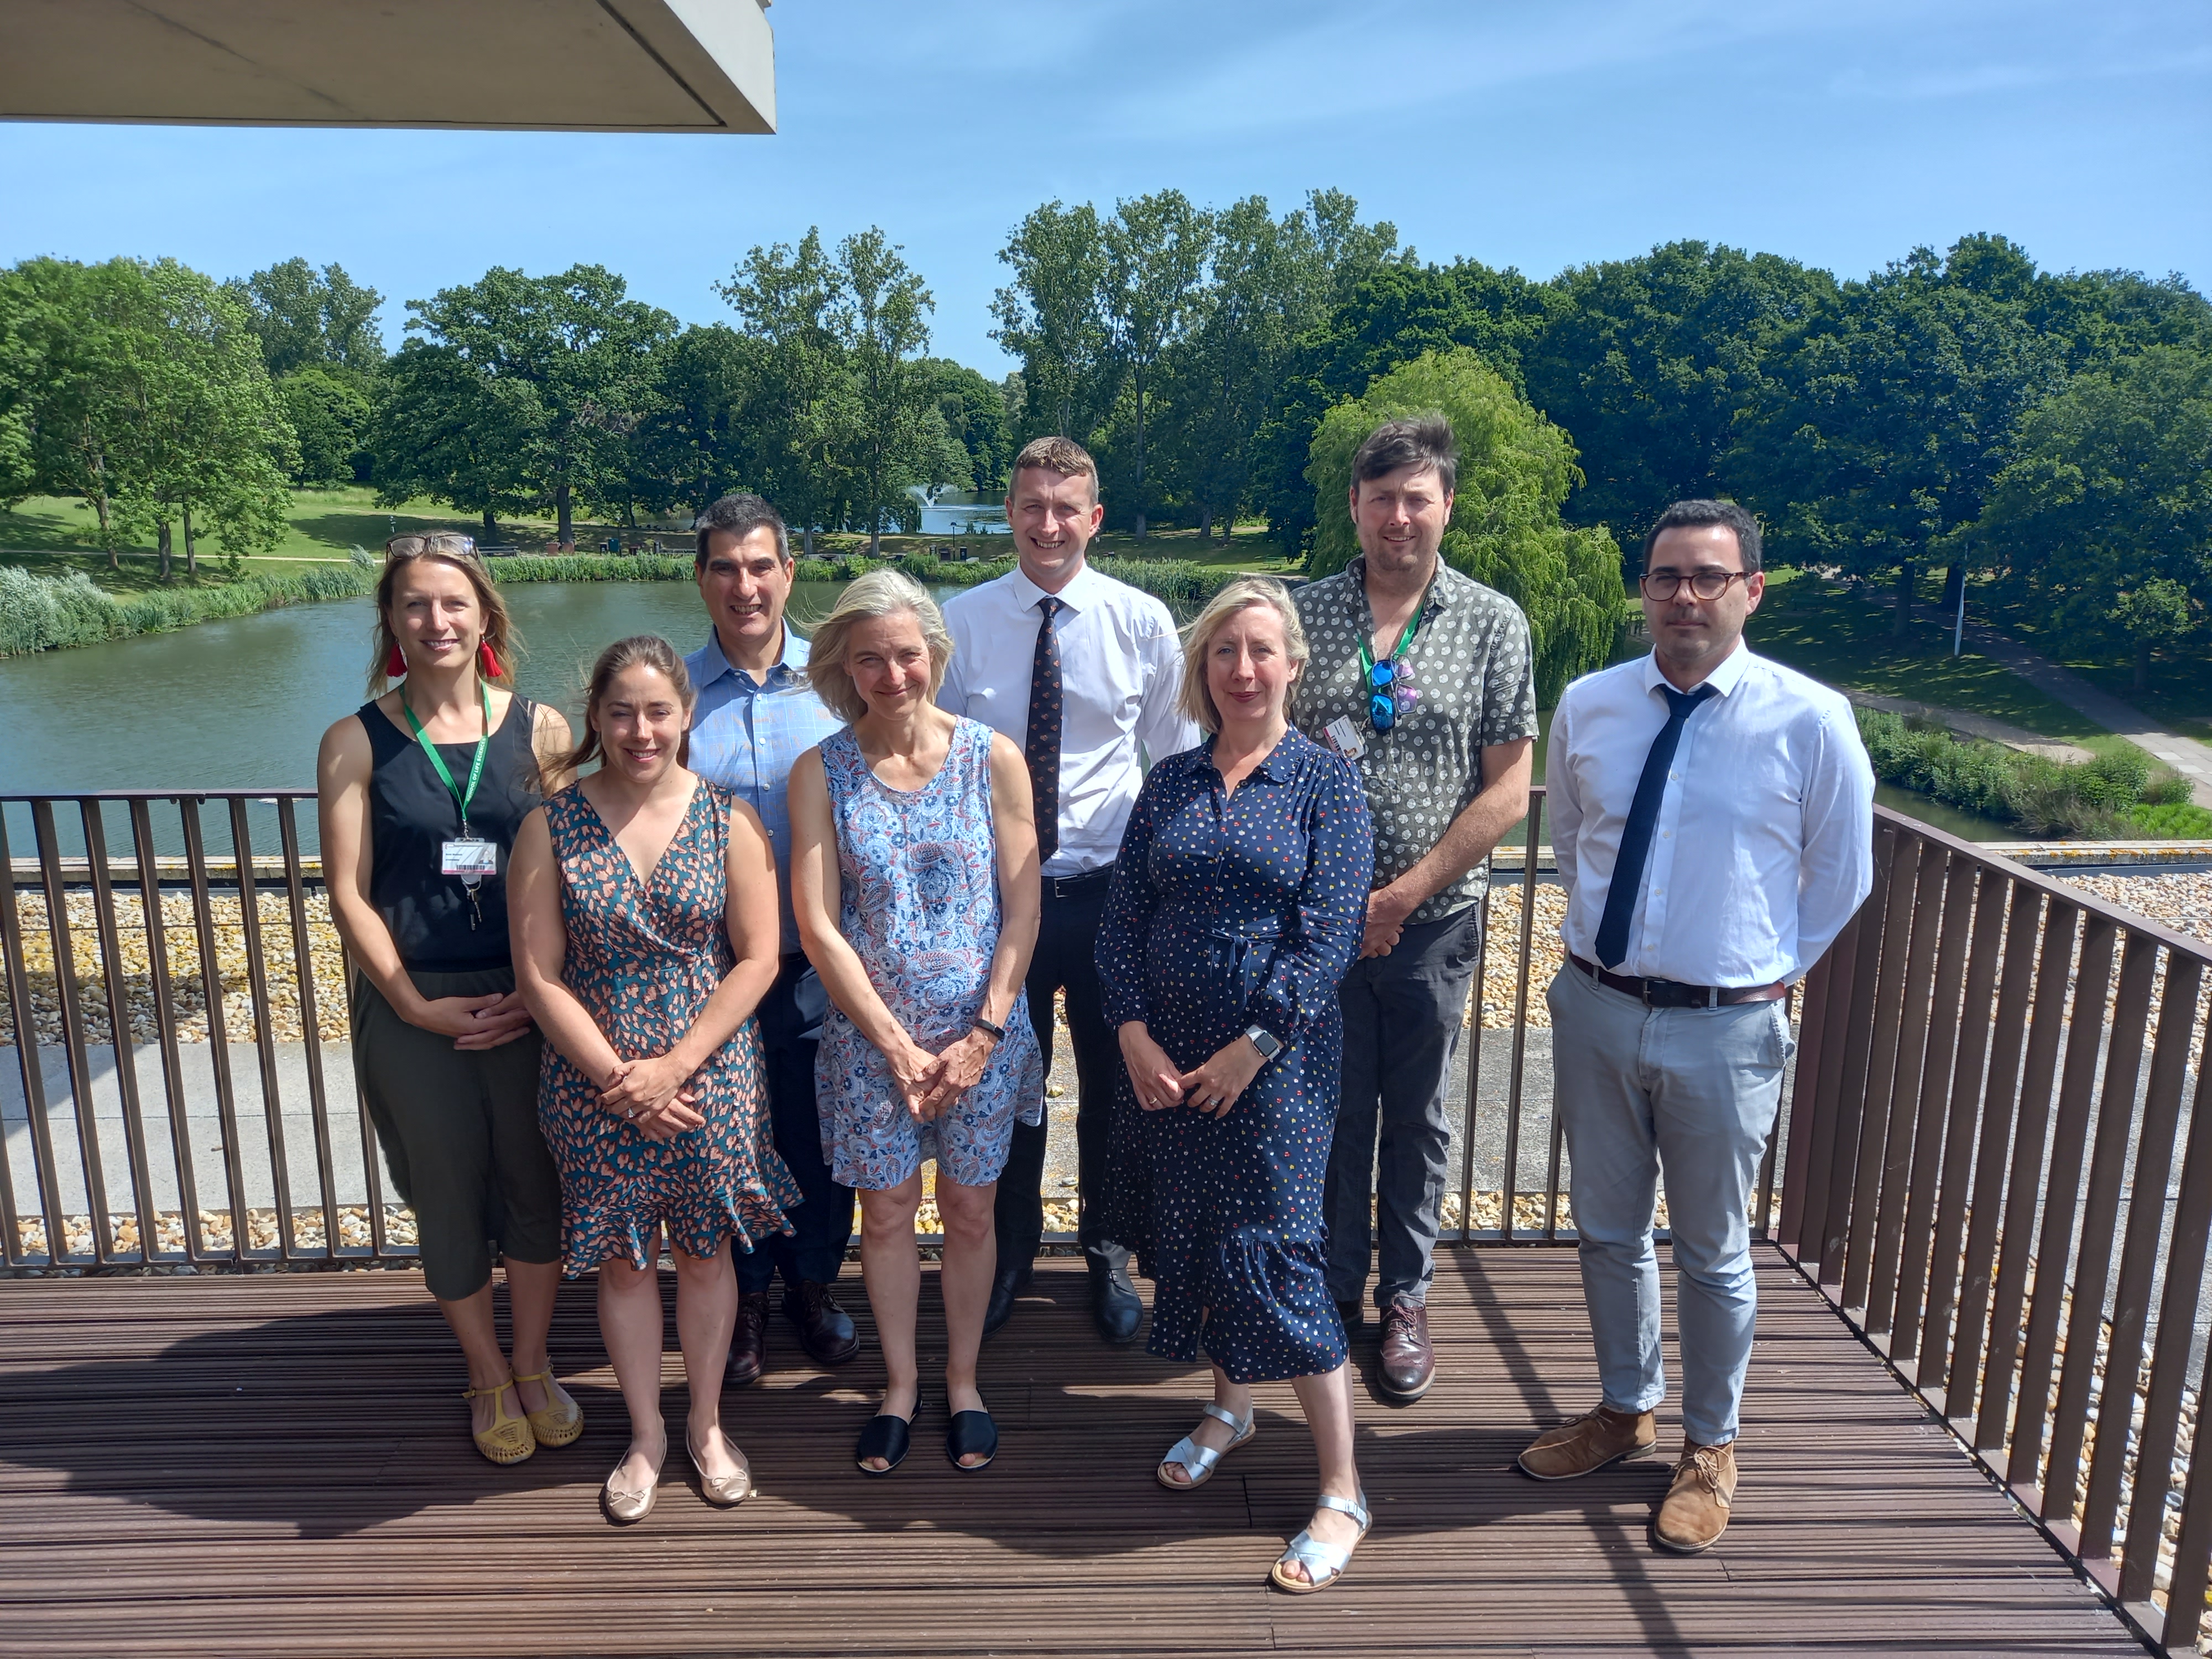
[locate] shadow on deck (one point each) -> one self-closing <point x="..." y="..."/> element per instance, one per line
<point x="275" y="1464"/>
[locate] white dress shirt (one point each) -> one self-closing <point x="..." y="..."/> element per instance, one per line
<point x="1764" y="847"/>
<point x="1120" y="668"/>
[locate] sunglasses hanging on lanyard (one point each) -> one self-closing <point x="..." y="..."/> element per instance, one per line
<point x="467" y="856"/>
<point x="1383" y="676"/>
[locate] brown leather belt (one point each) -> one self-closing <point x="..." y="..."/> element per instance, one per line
<point x="1668" y="994"/>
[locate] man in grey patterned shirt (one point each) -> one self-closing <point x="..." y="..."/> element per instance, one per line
<point x="1421" y="678"/>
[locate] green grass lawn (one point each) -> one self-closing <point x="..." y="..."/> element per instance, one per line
<point x="2179" y="693"/>
<point x="1817" y="627"/>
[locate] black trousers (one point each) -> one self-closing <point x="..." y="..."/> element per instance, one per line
<point x="791" y="1031"/>
<point x="1068" y="930"/>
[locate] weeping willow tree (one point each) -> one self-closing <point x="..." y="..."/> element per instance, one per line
<point x="1515" y="471"/>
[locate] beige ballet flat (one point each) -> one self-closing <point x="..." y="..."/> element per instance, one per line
<point x="625" y="1507"/>
<point x="728" y="1490"/>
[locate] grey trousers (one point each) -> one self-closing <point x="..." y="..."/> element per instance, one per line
<point x="1694" y="1091"/>
<point x="1390" y="1155"/>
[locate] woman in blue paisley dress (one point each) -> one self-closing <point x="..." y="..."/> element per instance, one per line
<point x="642" y="904"/>
<point x="1237" y="903"/>
<point x="914" y="877"/>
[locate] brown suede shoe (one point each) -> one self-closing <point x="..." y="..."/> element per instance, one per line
<point x="1589" y="1443"/>
<point x="1695" y="1512"/>
<point x="749" y="1342"/>
<point x="1409" y="1363"/>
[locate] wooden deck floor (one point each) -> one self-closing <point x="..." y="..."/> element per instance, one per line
<point x="275" y="1465"/>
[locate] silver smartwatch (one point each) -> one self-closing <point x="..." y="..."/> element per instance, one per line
<point x="1264" y="1040"/>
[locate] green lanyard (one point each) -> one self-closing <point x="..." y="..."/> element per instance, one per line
<point x="1367" y="657"/>
<point x="476" y="766"/>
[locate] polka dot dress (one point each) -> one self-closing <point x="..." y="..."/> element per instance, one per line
<point x="1229" y="911"/>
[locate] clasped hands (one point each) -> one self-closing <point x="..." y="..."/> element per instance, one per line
<point x="931" y="1083"/>
<point x="650" y="1093"/>
<point x="1211" y="1088"/>
<point x="1386" y="910"/>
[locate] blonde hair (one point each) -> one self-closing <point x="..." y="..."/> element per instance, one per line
<point x="1196" y="698"/>
<point x="639" y="650"/>
<point x="878" y="594"/>
<point x="448" y="548"/>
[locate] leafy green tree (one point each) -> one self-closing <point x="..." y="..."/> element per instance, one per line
<point x="786" y="299"/>
<point x="330" y="417"/>
<point x="1515" y="469"/>
<point x="974" y="410"/>
<point x="310" y="319"/>
<point x="1157" y="249"/>
<point x="1048" y="316"/>
<point x="2103" y="518"/>
<point x="696" y="440"/>
<point x="881" y="321"/>
<point x="540" y="380"/>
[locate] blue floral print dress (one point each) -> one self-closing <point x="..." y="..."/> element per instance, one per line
<point x="919" y="871"/>
<point x="643" y="956"/>
<point x="1226" y="912"/>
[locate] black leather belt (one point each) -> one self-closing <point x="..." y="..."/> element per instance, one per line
<point x="1669" y="994"/>
<point x="1070" y="886"/>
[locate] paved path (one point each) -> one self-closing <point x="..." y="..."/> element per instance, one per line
<point x="2192" y="759"/>
<point x="1970" y="725"/>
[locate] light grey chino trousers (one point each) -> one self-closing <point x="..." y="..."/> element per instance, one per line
<point x="1693" y="1091"/>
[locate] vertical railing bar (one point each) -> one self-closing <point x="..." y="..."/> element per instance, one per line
<point x="2170" y="1356"/>
<point x="1851" y="1097"/>
<point x="2169" y="1075"/>
<point x="1835" y="1045"/>
<point x="63" y="938"/>
<point x="1897" y="935"/>
<point x="2060" y="1195"/>
<point x="226" y="1098"/>
<point x="1813" y="998"/>
<point x="2046" y="1030"/>
<point x="2092" y="1271"/>
<point x="1963" y="1112"/>
<point x="264" y="1036"/>
<point x="2000" y="1109"/>
<point x="118" y="1022"/>
<point x="34" y="1082"/>
<point x="1511" y="1184"/>
<point x="1904" y="1134"/>
<point x="310" y="1025"/>
<point x="165" y="1029"/>
<point x="2184" y="1595"/>
<point x="1475" y="1056"/>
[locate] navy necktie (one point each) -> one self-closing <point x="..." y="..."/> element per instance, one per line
<point x="1627" y="884"/>
<point x="1041" y="742"/>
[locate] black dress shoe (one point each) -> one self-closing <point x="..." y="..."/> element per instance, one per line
<point x="825" y="1330"/>
<point x="1115" y="1303"/>
<point x="1007" y="1283"/>
<point x="749" y="1342"/>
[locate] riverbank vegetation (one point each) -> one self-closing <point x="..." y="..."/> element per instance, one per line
<point x="2120" y="794"/>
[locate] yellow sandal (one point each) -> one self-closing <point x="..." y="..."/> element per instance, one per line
<point x="561" y="1421"/>
<point x="508" y="1440"/>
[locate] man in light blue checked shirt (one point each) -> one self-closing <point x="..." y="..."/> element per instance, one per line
<point x="756" y="715"/>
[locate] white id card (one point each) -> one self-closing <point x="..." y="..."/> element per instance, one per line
<point x="471" y="860"/>
<point x="1345" y="738"/>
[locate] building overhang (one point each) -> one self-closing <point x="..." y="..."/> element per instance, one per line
<point x="539" y="65"/>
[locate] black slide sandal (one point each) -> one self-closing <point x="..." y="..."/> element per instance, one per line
<point x="887" y="1437"/>
<point x="971" y="1432"/>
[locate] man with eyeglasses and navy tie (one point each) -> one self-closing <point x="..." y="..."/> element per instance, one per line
<point x="1082" y="672"/>
<point x="1712" y="813"/>
<point x="1420" y="677"/>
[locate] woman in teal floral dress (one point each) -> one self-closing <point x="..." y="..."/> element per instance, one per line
<point x="644" y="914"/>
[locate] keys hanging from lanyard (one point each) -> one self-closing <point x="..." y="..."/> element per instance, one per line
<point x="467" y="857"/>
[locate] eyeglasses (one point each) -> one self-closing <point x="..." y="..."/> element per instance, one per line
<point x="446" y="543"/>
<point x="1661" y="586"/>
<point x="1382" y="696"/>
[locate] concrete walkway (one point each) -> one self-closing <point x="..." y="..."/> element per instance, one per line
<point x="2192" y="759"/>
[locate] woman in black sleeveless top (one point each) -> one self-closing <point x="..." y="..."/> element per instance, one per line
<point x="444" y="1051"/>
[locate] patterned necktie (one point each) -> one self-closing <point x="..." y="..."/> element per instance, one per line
<point x="1627" y="884"/>
<point x="1041" y="746"/>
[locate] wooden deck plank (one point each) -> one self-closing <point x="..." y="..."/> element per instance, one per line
<point x="276" y="1465"/>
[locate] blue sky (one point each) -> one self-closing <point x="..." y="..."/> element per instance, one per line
<point x="1539" y="136"/>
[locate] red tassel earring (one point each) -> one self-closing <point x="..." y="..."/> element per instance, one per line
<point x="395" y="665"/>
<point x="488" y="660"/>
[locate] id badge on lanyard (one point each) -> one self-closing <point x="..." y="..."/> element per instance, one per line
<point x="471" y="860"/>
<point x="467" y="855"/>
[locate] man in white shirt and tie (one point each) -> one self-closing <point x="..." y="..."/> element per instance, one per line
<point x="1083" y="672"/>
<point x="1713" y="817"/>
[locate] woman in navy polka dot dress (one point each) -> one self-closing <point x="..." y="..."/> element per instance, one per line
<point x="1237" y="903"/>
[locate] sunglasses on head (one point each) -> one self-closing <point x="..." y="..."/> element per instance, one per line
<point x="447" y="544"/>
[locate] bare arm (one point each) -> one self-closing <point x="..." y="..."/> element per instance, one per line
<point x="540" y="941"/>
<point x="550" y="740"/>
<point x="1466" y="842"/>
<point x="343" y="767"/>
<point x="1013" y="819"/>
<point x="816" y="890"/>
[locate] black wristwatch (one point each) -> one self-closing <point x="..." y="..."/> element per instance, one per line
<point x="1264" y="1040"/>
<point x="996" y="1033"/>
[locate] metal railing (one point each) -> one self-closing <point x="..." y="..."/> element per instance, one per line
<point x="1998" y="1077"/>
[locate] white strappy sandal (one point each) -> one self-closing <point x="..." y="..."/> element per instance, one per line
<point x="1317" y="1557"/>
<point x="1199" y="1462"/>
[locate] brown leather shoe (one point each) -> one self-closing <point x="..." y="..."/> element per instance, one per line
<point x="1589" y="1443"/>
<point x="825" y="1330"/>
<point x="749" y="1342"/>
<point x="1695" y="1511"/>
<point x="1409" y="1363"/>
